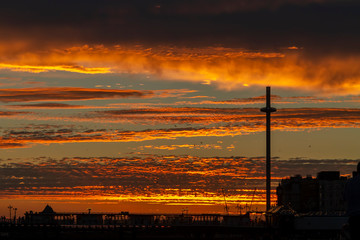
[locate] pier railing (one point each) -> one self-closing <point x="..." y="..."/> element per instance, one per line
<point x="127" y="220"/>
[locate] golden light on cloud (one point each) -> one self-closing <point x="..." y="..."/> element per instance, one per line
<point x="68" y="68"/>
<point x="218" y="122"/>
<point x="158" y="103"/>
<point x="224" y="67"/>
<point x="154" y="179"/>
<point x="187" y="146"/>
<point x="169" y="180"/>
<point x="182" y="199"/>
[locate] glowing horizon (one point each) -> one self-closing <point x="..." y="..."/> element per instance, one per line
<point x="154" y="106"/>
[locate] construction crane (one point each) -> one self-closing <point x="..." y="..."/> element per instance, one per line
<point x="226" y="206"/>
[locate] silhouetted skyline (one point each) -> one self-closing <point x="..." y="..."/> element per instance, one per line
<point x="153" y="106"/>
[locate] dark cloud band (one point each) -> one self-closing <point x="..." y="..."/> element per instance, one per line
<point x="66" y="93"/>
<point x="317" y="25"/>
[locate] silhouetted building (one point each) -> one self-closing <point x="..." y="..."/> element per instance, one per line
<point x="281" y="217"/>
<point x="46" y="217"/>
<point x="331" y="189"/>
<point x="324" y="193"/>
<point x="301" y="194"/>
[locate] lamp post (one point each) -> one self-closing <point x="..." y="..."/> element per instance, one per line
<point x="10" y="207"/>
<point x="15" y="209"/>
<point x="268" y="110"/>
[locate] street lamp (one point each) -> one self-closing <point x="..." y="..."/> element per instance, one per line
<point x="15" y="209"/>
<point x="10" y="207"/>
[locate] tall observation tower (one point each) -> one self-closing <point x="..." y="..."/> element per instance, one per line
<point x="268" y="109"/>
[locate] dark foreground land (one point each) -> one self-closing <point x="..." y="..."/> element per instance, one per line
<point x="193" y="232"/>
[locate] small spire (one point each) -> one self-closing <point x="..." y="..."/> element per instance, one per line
<point x="48" y="210"/>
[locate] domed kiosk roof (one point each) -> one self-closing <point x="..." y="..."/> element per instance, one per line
<point x="48" y="210"/>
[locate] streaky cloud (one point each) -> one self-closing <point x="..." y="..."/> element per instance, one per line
<point x="10" y="113"/>
<point x="39" y="68"/>
<point x="66" y="94"/>
<point x="194" y="122"/>
<point x="183" y="179"/>
<point x="49" y="106"/>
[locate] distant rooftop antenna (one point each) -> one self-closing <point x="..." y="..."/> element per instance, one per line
<point x="268" y="109"/>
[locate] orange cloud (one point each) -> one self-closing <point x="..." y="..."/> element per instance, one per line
<point x="224" y="67"/>
<point x="244" y="117"/>
<point x="154" y="179"/>
<point x="260" y="100"/>
<point x="69" y="68"/>
<point x="189" y="146"/>
<point x="27" y="138"/>
<point x="219" y="122"/>
<point x="274" y="99"/>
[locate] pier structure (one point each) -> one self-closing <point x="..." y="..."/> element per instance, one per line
<point x="285" y="224"/>
<point x="125" y="219"/>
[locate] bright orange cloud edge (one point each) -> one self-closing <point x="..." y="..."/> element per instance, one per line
<point x="225" y="68"/>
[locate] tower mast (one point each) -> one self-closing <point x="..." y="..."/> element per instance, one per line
<point x="268" y="110"/>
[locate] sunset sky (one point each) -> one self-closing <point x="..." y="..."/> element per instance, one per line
<point x="153" y="105"/>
